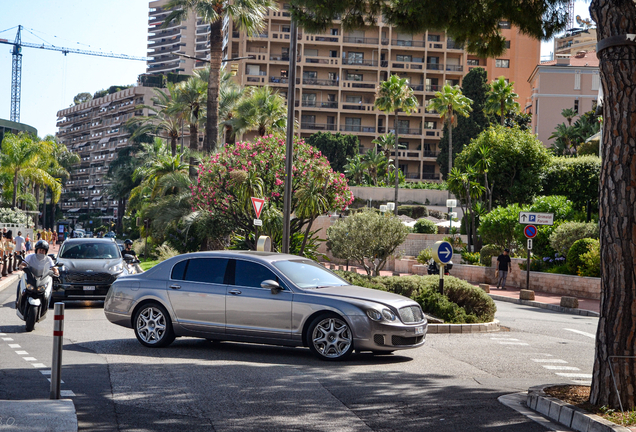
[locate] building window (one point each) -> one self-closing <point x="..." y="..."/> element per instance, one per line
<point x="404" y="58"/>
<point x="434" y="38"/>
<point x="596" y="81"/>
<point x="283" y="74"/>
<point x="504" y="24"/>
<point x="354" y="77"/>
<point x="333" y="54"/>
<point x="577" y="80"/>
<point x="472" y="62"/>
<point x="334" y="32"/>
<point x="576" y="106"/>
<point x="507" y="44"/>
<point x="502" y="63"/>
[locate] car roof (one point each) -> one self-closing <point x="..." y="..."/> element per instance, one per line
<point x="257" y="256"/>
<point x="88" y="240"/>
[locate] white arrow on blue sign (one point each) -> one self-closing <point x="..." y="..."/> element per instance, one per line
<point x="443" y="252"/>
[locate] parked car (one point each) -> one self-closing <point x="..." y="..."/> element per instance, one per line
<point x="88" y="269"/>
<point x="262" y="297"/>
<point x="110" y="234"/>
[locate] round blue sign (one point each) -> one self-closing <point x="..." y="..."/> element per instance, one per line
<point x="530" y="231"/>
<point x="443" y="252"/>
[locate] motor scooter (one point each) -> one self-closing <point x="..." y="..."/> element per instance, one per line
<point x="132" y="264"/>
<point x="34" y="294"/>
<point x="433" y="268"/>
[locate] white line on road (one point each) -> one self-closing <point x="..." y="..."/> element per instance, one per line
<point x="38" y="365"/>
<point x="14" y="346"/>
<point x="590" y="335"/>
<point x="512" y="343"/>
<point x="61" y="381"/>
<point x="573" y="375"/>
<point x="30" y="359"/>
<point x="7" y="339"/>
<point x="3" y="334"/>
<point x="67" y="393"/>
<point x="45" y="372"/>
<point x="550" y="367"/>
<point x="503" y="339"/>
<point x="548" y="361"/>
<point x="22" y="353"/>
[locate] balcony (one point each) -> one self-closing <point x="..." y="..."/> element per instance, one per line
<point x="454" y="68"/>
<point x="359" y="62"/>
<point x="322" y="60"/>
<point x="408" y="43"/>
<point x="318" y="126"/>
<point x="408" y="154"/>
<point x="454" y="45"/>
<point x="358" y="106"/>
<point x="433" y="88"/>
<point x="409" y="131"/>
<point x="357" y="128"/>
<point x="317" y="38"/>
<point x="435" y="66"/>
<point x="284" y="58"/>
<point x="314" y="104"/>
<point x="360" y="40"/>
<point x="359" y="84"/>
<point x="430" y="154"/>
<point x="320" y="82"/>
<point x="430" y="176"/>
<point x="417" y="87"/>
<point x="278" y="80"/>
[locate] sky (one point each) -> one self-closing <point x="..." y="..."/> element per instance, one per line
<point x="50" y="79"/>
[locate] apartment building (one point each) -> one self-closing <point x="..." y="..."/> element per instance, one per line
<point x="189" y="37"/>
<point x="567" y="82"/>
<point x="338" y="73"/>
<point x="95" y="131"/>
<point x="575" y="40"/>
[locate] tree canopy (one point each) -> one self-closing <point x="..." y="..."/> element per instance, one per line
<point x="337" y="148"/>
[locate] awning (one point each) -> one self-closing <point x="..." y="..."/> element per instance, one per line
<point x="105" y="105"/>
<point x="97" y="198"/>
<point x="594" y="138"/>
<point x="103" y="140"/>
<point x="73" y="210"/>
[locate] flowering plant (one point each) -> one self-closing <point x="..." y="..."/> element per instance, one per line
<point x="228" y="179"/>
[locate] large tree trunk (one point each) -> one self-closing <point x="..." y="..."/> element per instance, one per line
<point x="15" y="189"/>
<point x="450" y="147"/>
<point x="616" y="334"/>
<point x="396" y="164"/>
<point x="216" y="55"/>
<point x="44" y="208"/>
<point x="37" y="203"/>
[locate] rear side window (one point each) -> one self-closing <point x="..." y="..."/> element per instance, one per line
<point x="210" y="270"/>
<point x="178" y="270"/>
<point x="249" y="274"/>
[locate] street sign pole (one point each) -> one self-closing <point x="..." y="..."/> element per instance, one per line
<point x="529" y="248"/>
<point x="441" y="279"/>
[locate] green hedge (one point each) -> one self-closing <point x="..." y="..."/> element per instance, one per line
<point x="579" y="247"/>
<point x="487" y="252"/>
<point x="413" y="211"/>
<point x="425" y="226"/>
<point x="461" y="302"/>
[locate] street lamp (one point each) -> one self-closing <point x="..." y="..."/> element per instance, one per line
<point x="450" y="203"/>
<point x="390" y="206"/>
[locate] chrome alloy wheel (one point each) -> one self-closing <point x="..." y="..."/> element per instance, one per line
<point x="331" y="338"/>
<point x="151" y="325"/>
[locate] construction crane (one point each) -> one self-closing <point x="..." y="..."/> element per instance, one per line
<point x="16" y="67"/>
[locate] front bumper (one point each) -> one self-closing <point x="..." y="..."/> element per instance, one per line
<point x="77" y="292"/>
<point x="384" y="336"/>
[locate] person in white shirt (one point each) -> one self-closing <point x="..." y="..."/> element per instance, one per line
<point x="19" y="242"/>
<point x="40" y="261"/>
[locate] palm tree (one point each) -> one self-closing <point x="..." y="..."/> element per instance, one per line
<point x="246" y="14"/>
<point x="229" y="96"/>
<point x="449" y="103"/>
<point x="563" y="136"/>
<point x="501" y="98"/>
<point x="312" y="202"/>
<point x="190" y="100"/>
<point x="354" y="169"/>
<point x="374" y="163"/>
<point x="483" y="165"/>
<point x="463" y="181"/>
<point x="395" y="95"/>
<point x="569" y="114"/>
<point x="261" y="109"/>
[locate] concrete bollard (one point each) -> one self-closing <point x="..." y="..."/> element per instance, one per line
<point x="58" y="343"/>
<point x="525" y="294"/>
<point x="10" y="264"/>
<point x="569" y="302"/>
<point x="332" y="266"/>
<point x="341" y="268"/>
<point x="4" y="264"/>
<point x="485" y="287"/>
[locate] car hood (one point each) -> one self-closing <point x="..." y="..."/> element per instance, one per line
<point x="95" y="265"/>
<point x="365" y="294"/>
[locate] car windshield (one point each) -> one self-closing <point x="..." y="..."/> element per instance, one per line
<point x="89" y="251"/>
<point x="308" y="274"/>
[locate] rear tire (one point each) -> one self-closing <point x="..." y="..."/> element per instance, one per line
<point x="329" y="337"/>
<point x="31" y="316"/>
<point x="153" y="326"/>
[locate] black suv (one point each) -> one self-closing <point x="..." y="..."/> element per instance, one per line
<point x="88" y="267"/>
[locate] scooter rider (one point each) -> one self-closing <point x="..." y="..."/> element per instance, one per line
<point x="40" y="261"/>
<point x="130" y="256"/>
<point x="128" y="250"/>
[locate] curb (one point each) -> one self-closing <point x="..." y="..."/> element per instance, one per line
<point x="9" y="279"/>
<point x="566" y="414"/>
<point x="463" y="328"/>
<point x="573" y="311"/>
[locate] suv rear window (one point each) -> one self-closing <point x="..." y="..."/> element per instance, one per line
<point x="90" y="250"/>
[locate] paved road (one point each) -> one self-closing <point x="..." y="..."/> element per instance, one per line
<point x="451" y="384"/>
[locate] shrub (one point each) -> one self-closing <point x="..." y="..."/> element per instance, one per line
<point x="579" y="247"/>
<point x="425" y="226"/>
<point x="591" y="261"/>
<point x="472" y="258"/>
<point x="425" y="256"/>
<point x="499" y="226"/>
<point x="413" y="211"/>
<point x="487" y="252"/>
<point x="576" y="178"/>
<point x="408" y="286"/>
<point x="564" y="236"/>
<point x="164" y="252"/>
<point x="355" y="278"/>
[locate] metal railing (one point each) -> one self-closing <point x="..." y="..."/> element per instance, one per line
<point x="314" y="104"/>
<point x="435" y="66"/>
<point x="360" y="40"/>
<point x="318" y="126"/>
<point x="408" y="43"/>
<point x="359" y="62"/>
<point x="357" y="128"/>
<point x="319" y="82"/>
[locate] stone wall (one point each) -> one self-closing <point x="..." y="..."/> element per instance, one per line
<point x="422" y="196"/>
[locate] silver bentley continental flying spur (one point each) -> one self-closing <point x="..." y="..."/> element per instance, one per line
<point x="262" y="297"/>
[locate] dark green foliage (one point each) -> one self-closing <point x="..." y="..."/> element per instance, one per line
<point x="425" y="185"/>
<point x="518" y="162"/>
<point x="110" y="90"/>
<point x="425" y="226"/>
<point x="472" y="24"/>
<point x="335" y="147"/>
<point x="576" y="178"/>
<point x="579" y="247"/>
<point x="461" y="302"/>
<point x="487" y="252"/>
<point x="472" y="258"/>
<point x="474" y="86"/>
<point x="413" y="211"/>
<point x="498" y="227"/>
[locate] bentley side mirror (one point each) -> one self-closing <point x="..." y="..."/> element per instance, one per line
<point x="271" y="285"/>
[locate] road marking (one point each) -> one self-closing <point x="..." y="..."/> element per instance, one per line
<point x="7" y="339"/>
<point x="573" y="375"/>
<point x="38" y="365"/>
<point x="30" y="359"/>
<point x="3" y="334"/>
<point x="513" y="343"/>
<point x="503" y="339"/>
<point x="45" y="372"/>
<point x="548" y="361"/>
<point x="14" y="346"/>
<point x="61" y="381"/>
<point x="550" y="367"/>
<point x="590" y="335"/>
<point x="67" y="393"/>
<point x="582" y="382"/>
<point x="22" y="353"/>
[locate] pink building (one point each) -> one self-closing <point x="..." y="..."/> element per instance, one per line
<point x="567" y="82"/>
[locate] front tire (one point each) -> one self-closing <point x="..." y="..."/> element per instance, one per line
<point x="329" y="337"/>
<point x="31" y="317"/>
<point x="153" y="326"/>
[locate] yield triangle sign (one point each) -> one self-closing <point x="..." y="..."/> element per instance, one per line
<point x="258" y="206"/>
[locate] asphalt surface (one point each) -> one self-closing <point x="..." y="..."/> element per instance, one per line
<point x="451" y="384"/>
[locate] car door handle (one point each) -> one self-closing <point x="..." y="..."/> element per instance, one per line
<point x="175" y="286"/>
<point x="235" y="292"/>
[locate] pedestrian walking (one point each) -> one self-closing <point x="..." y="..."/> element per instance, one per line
<point x="27" y="244"/>
<point x="19" y="242"/>
<point x="504" y="264"/>
<point x="38" y="235"/>
<point x="54" y="234"/>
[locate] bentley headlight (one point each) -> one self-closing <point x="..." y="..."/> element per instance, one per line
<point x="374" y="315"/>
<point x="388" y="314"/>
<point x="117" y="268"/>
